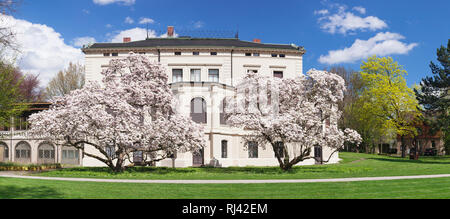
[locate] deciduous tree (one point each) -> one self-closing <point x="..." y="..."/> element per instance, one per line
<point x="10" y="94"/>
<point x="130" y="112"/>
<point x="291" y="115"/>
<point x="386" y="100"/>
<point x="66" y="81"/>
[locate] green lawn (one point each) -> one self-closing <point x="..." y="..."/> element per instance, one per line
<point x="404" y="189"/>
<point x="353" y="165"/>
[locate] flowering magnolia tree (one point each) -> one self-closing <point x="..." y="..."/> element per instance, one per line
<point x="130" y="116"/>
<point x="291" y="115"/>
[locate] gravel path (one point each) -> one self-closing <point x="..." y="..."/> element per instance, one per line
<point x="9" y="175"/>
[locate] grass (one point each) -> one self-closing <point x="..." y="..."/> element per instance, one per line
<point x="353" y="165"/>
<point x="398" y="189"/>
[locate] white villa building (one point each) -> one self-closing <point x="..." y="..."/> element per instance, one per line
<point x="202" y="72"/>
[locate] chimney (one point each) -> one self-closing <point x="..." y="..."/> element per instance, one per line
<point x="257" y="41"/>
<point x="127" y="39"/>
<point x="170" y="31"/>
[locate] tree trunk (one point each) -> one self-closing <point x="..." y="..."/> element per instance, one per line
<point x="403" y="147"/>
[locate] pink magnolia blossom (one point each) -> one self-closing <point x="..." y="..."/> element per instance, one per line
<point x="131" y="112"/>
<point x="299" y="114"/>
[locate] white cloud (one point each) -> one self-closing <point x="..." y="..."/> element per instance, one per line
<point x="382" y="44"/>
<point x="135" y="34"/>
<point x="41" y="49"/>
<point x="344" y="22"/>
<point x="321" y="12"/>
<point x="107" y="2"/>
<point x="360" y="9"/>
<point x="129" y="20"/>
<point x="145" y="20"/>
<point x="198" y="24"/>
<point x="108" y="26"/>
<point x="80" y="41"/>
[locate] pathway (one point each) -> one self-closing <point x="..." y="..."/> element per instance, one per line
<point x="9" y="175"/>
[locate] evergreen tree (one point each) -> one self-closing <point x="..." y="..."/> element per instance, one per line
<point x="434" y="94"/>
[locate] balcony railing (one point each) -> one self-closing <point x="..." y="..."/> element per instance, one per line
<point x="15" y="134"/>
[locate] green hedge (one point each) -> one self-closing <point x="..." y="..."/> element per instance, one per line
<point x="30" y="167"/>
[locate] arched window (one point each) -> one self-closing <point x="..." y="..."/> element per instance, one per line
<point x="198" y="110"/>
<point x="46" y="153"/>
<point x="4" y="147"/>
<point x="23" y="152"/>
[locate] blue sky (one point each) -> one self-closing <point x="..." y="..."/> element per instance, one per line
<point x="333" y="32"/>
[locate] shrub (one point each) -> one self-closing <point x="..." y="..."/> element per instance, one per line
<point x="30" y="167"/>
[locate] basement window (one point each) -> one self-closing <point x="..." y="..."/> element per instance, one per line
<point x="248" y="54"/>
<point x="196" y="53"/>
<point x="256" y="54"/>
<point x="115" y="54"/>
<point x="106" y="54"/>
<point x="178" y="53"/>
<point x="282" y="56"/>
<point x="274" y="55"/>
<point x="213" y="53"/>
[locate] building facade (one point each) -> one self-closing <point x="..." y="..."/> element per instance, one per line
<point x="17" y="146"/>
<point x="202" y="72"/>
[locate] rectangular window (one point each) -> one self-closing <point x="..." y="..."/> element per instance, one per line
<point x="115" y="54"/>
<point x="252" y="71"/>
<point x="274" y="55"/>
<point x="71" y="154"/>
<point x="196" y="75"/>
<point x="252" y="150"/>
<point x="177" y="75"/>
<point x="106" y="54"/>
<point x="248" y="54"/>
<point x="282" y="56"/>
<point x="142" y="53"/>
<point x="110" y="151"/>
<point x="214" y="75"/>
<point x="213" y="53"/>
<point x="279" y="147"/>
<point x="196" y="53"/>
<point x="256" y="54"/>
<point x="224" y="149"/>
<point x="178" y="53"/>
<point x="278" y="74"/>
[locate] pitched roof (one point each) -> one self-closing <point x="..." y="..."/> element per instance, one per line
<point x="192" y="42"/>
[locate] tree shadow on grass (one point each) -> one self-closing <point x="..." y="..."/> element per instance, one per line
<point x="41" y="192"/>
<point x="426" y="161"/>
